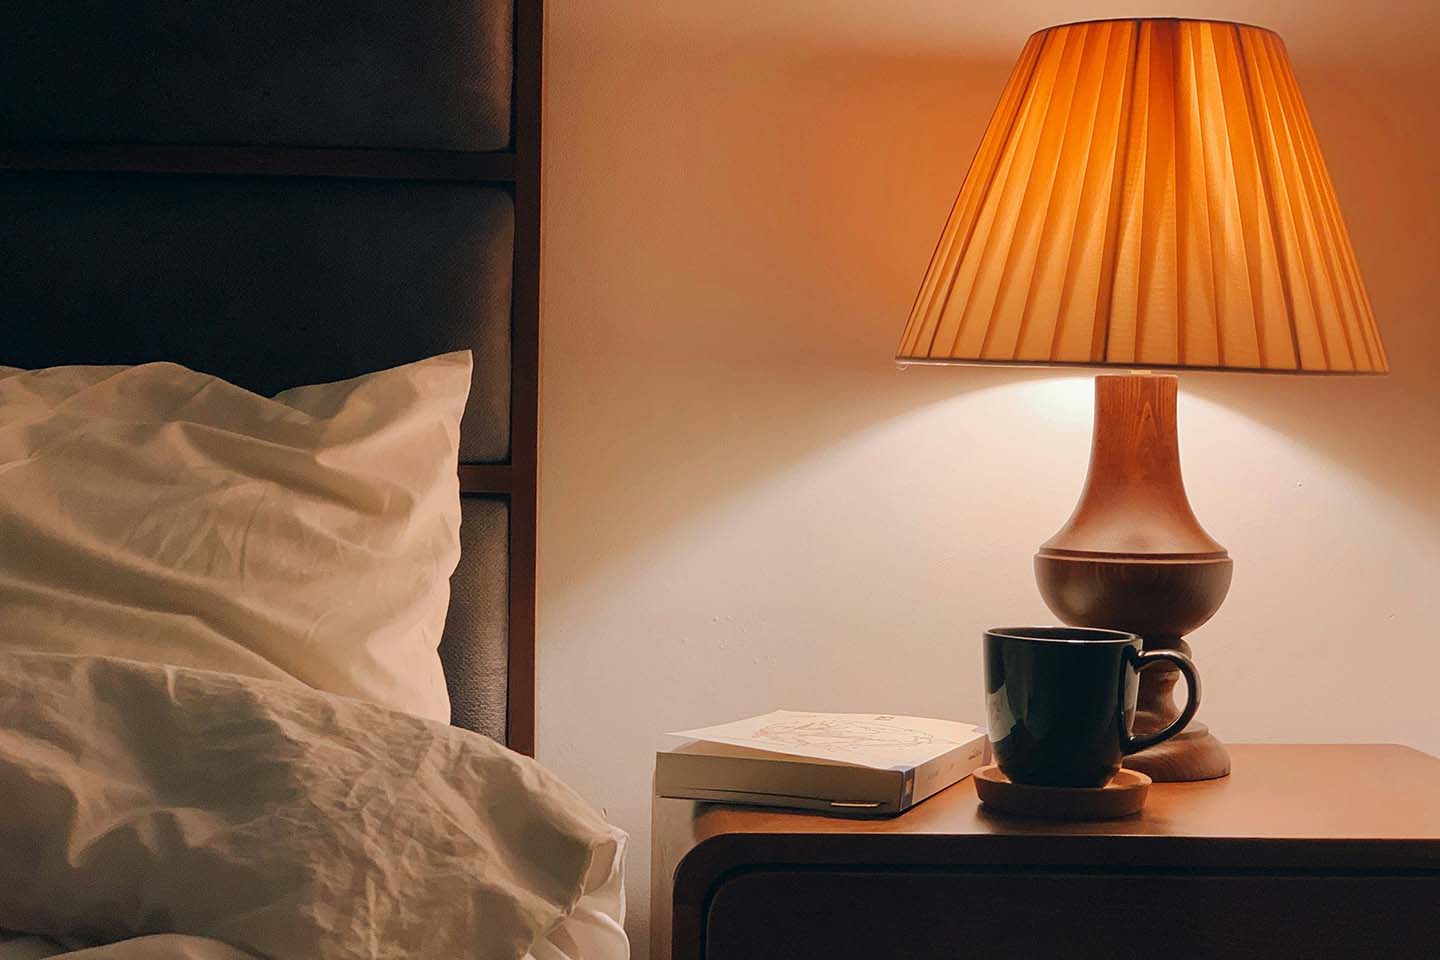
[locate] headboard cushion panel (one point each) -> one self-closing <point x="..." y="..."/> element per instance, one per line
<point x="266" y="282"/>
<point x="474" y="649"/>
<point x="344" y="73"/>
<point x="283" y="192"/>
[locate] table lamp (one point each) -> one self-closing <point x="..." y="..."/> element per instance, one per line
<point x="1149" y="195"/>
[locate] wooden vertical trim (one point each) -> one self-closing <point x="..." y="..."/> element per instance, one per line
<point x="525" y="376"/>
<point x="485" y="478"/>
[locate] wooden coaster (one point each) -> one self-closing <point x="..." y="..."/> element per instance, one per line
<point x="1122" y="796"/>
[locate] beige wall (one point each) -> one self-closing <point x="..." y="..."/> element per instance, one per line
<point x="745" y="506"/>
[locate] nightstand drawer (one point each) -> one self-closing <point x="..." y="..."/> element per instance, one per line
<point x="789" y="914"/>
<point x="1310" y="851"/>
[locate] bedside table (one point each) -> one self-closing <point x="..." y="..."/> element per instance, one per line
<point x="1304" y="851"/>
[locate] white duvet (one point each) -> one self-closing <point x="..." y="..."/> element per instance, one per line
<point x="169" y="813"/>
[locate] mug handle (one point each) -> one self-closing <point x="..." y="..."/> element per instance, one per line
<point x="1186" y="667"/>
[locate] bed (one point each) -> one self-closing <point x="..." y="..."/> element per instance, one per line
<point x="279" y="195"/>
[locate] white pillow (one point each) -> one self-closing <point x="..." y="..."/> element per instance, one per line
<point x="155" y="513"/>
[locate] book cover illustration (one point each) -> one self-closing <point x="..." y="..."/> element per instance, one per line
<point x="882" y="741"/>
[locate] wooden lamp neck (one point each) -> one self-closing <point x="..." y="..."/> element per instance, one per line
<point x="1134" y="503"/>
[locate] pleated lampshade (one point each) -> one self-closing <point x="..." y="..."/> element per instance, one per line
<point x="1149" y="194"/>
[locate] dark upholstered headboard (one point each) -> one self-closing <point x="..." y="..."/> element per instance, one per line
<point x="283" y="193"/>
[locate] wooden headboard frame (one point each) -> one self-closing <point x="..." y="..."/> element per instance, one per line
<point x="516" y="169"/>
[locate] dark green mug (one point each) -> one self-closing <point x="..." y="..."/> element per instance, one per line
<point x="1060" y="702"/>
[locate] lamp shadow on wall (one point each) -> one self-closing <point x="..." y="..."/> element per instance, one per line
<point x="1356" y="424"/>
<point x="721" y="434"/>
<point x="734" y="232"/>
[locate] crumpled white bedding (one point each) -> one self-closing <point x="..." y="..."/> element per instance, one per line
<point x="159" y="947"/>
<point x="595" y="930"/>
<point x="168" y="813"/>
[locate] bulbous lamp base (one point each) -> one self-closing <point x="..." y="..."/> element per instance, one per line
<point x="1133" y="557"/>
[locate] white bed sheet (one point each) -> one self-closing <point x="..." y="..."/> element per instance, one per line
<point x="595" y="931"/>
<point x="596" y="928"/>
<point x="286" y="822"/>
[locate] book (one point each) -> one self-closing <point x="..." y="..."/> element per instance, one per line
<point x="854" y="763"/>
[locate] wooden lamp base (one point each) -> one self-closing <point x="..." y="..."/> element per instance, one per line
<point x="1133" y="557"/>
<point x="1194" y="754"/>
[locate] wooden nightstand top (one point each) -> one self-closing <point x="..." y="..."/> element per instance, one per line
<point x="1276" y="791"/>
<point x="1284" y="807"/>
